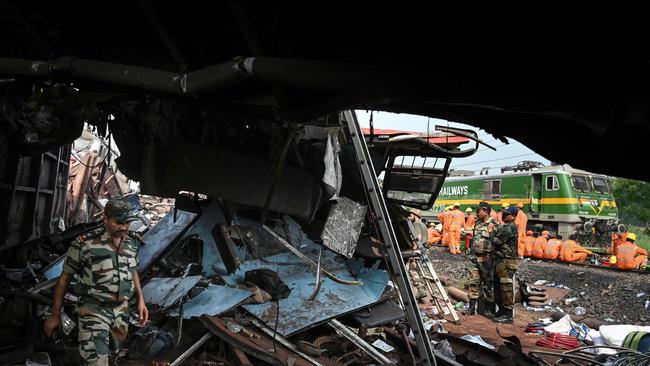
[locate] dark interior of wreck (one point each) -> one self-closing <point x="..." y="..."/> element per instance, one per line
<point x="240" y="105"/>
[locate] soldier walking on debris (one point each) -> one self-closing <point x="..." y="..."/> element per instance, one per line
<point x="505" y="240"/>
<point x="481" y="272"/>
<point x="106" y="264"/>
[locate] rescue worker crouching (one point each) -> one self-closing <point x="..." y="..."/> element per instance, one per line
<point x="481" y="272"/>
<point x="105" y="261"/>
<point x="629" y="255"/>
<point x="506" y="256"/>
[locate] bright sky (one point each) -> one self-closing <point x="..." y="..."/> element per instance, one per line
<point x="505" y="155"/>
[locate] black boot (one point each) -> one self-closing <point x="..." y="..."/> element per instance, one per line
<point x="505" y="317"/>
<point x="473" y="303"/>
<point x="489" y="309"/>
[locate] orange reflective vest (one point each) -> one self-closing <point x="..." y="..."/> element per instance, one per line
<point x="630" y="256"/>
<point x="470" y="222"/>
<point x="528" y="248"/>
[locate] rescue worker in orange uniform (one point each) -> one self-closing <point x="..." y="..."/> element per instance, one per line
<point x="500" y="213"/>
<point x="553" y="246"/>
<point x="573" y="252"/>
<point x="617" y="239"/>
<point x="470" y="220"/>
<point x="540" y="245"/>
<point x="521" y="220"/>
<point x="445" y="220"/>
<point x="434" y="233"/>
<point x="457" y="221"/>
<point x="468" y="229"/>
<point x="529" y="242"/>
<point x="630" y="255"/>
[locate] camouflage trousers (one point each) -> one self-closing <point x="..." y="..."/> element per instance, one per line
<point x="481" y="278"/>
<point x="505" y="271"/>
<point x="102" y="327"/>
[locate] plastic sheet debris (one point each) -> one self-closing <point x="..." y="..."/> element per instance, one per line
<point x="379" y="344"/>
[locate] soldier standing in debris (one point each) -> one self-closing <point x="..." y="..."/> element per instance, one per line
<point x="420" y="228"/>
<point x="505" y="240"/>
<point x="106" y="265"/>
<point x="481" y="272"/>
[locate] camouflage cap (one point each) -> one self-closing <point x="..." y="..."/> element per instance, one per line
<point x="120" y="210"/>
<point x="484" y="206"/>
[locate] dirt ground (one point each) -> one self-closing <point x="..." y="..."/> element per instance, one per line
<point x="608" y="296"/>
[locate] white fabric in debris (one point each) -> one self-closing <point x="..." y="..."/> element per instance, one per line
<point x="562" y="326"/>
<point x="614" y="335"/>
<point x="478" y="340"/>
<point x="332" y="177"/>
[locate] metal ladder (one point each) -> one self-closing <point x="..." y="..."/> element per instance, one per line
<point x="429" y="275"/>
<point x="389" y="240"/>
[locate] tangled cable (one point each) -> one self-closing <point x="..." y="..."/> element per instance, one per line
<point x="558" y="341"/>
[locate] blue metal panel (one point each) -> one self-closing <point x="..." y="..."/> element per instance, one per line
<point x="165" y="292"/>
<point x="161" y="236"/>
<point x="296" y="311"/>
<point x="213" y="301"/>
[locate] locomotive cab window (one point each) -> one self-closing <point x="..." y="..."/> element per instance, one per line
<point x="552" y="183"/>
<point x="492" y="189"/>
<point x="600" y="184"/>
<point x="580" y="183"/>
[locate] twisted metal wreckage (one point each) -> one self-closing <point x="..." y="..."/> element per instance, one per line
<point x="286" y="187"/>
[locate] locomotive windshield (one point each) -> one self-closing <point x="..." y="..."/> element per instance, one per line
<point x="580" y="183"/>
<point x="600" y="184"/>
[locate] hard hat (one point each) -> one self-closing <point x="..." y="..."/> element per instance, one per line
<point x="545" y="233"/>
<point x="631" y="236"/>
<point x="529" y="233"/>
<point x="520" y="205"/>
<point x="456" y="204"/>
<point x="469" y="209"/>
<point x="416" y="212"/>
<point x="505" y="205"/>
<point x="613" y="259"/>
<point x="439" y="228"/>
<point x="448" y="208"/>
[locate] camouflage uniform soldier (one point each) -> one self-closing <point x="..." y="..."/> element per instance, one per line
<point x="505" y="240"/>
<point x="481" y="272"/>
<point x="106" y="265"/>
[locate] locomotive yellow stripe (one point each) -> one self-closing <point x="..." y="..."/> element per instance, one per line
<point x="543" y="201"/>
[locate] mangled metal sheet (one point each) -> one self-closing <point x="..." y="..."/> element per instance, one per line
<point x="165" y="292"/>
<point x="296" y="312"/>
<point x="343" y="226"/>
<point x="213" y="301"/>
<point x="55" y="268"/>
<point x="161" y="236"/>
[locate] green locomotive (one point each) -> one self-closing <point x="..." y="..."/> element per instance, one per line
<point x="558" y="198"/>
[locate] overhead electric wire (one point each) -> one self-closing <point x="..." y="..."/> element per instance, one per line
<point x="491" y="160"/>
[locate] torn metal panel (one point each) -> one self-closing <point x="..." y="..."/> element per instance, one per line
<point x="260" y="346"/>
<point x="161" y="236"/>
<point x="296" y="311"/>
<point x="343" y="226"/>
<point x="165" y="292"/>
<point x="213" y="301"/>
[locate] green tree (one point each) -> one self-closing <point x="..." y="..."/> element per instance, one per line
<point x="633" y="201"/>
